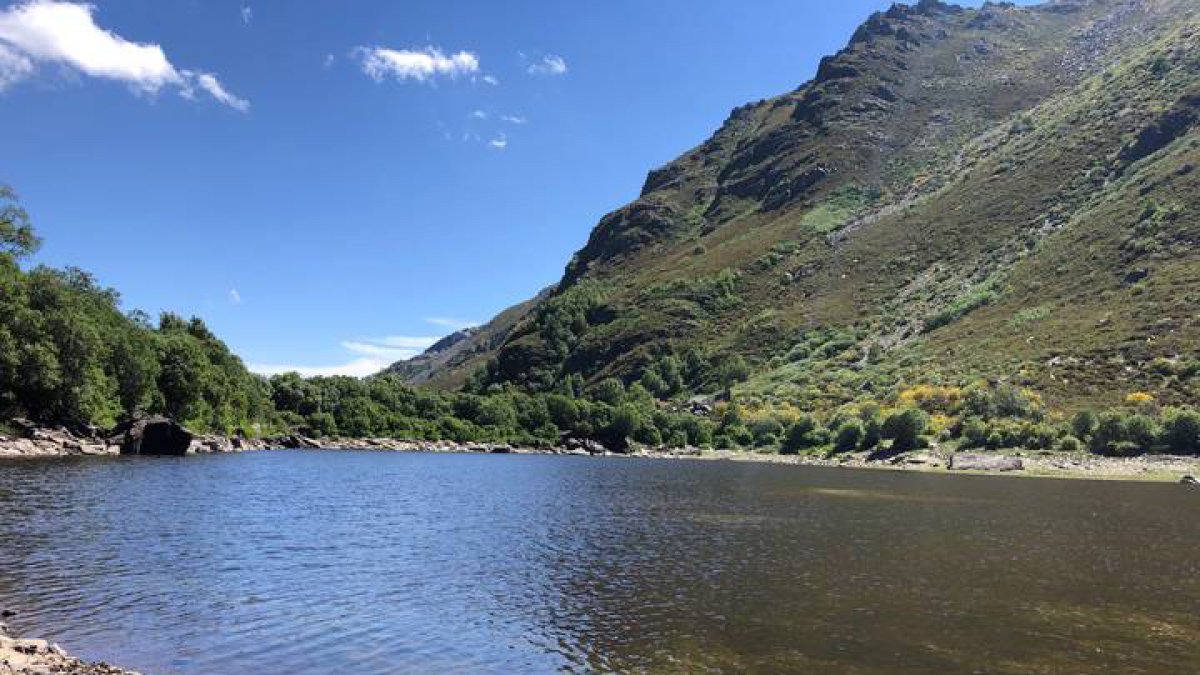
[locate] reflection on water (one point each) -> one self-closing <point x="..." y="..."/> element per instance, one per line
<point x="318" y="562"/>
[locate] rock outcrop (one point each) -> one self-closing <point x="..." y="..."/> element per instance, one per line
<point x="985" y="463"/>
<point x="153" y="436"/>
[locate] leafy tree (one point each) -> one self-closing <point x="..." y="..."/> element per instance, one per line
<point x="1084" y="424"/>
<point x="610" y="391"/>
<point x="848" y="436"/>
<point x="904" y="428"/>
<point x="1181" y="431"/>
<point x="17" y="238"/>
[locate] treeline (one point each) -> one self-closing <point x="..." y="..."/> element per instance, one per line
<point x="70" y="356"/>
<point x="385" y="406"/>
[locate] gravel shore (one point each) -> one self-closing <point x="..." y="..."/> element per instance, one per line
<point x="39" y="657"/>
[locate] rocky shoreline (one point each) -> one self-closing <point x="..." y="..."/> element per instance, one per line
<point x="39" y="657"/>
<point x="38" y="442"/>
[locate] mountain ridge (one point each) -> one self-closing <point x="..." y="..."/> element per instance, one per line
<point x="815" y="215"/>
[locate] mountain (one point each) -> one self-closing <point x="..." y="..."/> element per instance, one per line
<point x="1006" y="193"/>
<point x="448" y="362"/>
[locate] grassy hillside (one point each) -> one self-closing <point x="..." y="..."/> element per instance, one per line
<point x="1002" y="193"/>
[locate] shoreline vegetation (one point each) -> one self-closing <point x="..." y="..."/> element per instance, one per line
<point x="37" y="442"/>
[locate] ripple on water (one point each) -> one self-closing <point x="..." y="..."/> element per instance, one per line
<point x="310" y="562"/>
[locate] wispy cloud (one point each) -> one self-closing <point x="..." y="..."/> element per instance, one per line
<point x="490" y="79"/>
<point x="514" y="119"/>
<point x="235" y="298"/>
<point x="478" y="115"/>
<point x="60" y="33"/>
<point x="356" y="368"/>
<point x="500" y="142"/>
<point x="391" y="349"/>
<point x="369" y="357"/>
<point x="421" y="65"/>
<point x="548" y="65"/>
<point x="209" y="83"/>
<point x="247" y="14"/>
<point x="451" y="324"/>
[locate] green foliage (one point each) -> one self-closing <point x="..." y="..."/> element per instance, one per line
<point x="1181" y="431"/>
<point x="1084" y="424"/>
<point x="17" y="239"/>
<point x="976" y="297"/>
<point x="804" y="434"/>
<point x="848" y="436"/>
<point x="1122" y="434"/>
<point x="904" y="428"/>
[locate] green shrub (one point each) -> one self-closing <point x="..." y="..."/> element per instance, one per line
<point x="802" y="435"/>
<point x="904" y="428"/>
<point x="1069" y="444"/>
<point x="1084" y="424"/>
<point x="1181" y="431"/>
<point x="975" y="432"/>
<point x="849" y="435"/>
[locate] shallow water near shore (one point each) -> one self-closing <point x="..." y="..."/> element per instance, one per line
<point x="320" y="562"/>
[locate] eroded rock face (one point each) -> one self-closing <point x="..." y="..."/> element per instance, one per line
<point x="154" y="436"/>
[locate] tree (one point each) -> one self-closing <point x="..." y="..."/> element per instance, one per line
<point x="610" y="391"/>
<point x="904" y="428"/>
<point x="1083" y="425"/>
<point x="17" y="238"/>
<point x="848" y="436"/>
<point x="1181" y="431"/>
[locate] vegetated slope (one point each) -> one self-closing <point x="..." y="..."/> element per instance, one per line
<point x="1003" y="192"/>
<point x="449" y="362"/>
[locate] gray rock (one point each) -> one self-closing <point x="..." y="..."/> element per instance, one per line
<point x="985" y="463"/>
<point x="1190" y="480"/>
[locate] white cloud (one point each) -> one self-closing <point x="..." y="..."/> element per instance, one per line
<point x="548" y="65"/>
<point x="14" y="67"/>
<point x="370" y="357"/>
<point x="500" y="142"/>
<point x="235" y="298"/>
<point x="451" y="324"/>
<point x="392" y="349"/>
<point x="422" y="65"/>
<point x="356" y="368"/>
<point x="329" y="60"/>
<point x="209" y="83"/>
<point x="490" y="79"/>
<point x="478" y="115"/>
<point x="514" y="119"/>
<point x="247" y="14"/>
<point x="65" y="34"/>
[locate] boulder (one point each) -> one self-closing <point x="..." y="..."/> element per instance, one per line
<point x="153" y="436"/>
<point x="985" y="463"/>
<point x="1190" y="480"/>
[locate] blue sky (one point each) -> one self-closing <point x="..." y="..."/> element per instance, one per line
<point x="333" y="184"/>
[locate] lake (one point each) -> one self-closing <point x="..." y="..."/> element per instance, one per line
<point x="321" y="562"/>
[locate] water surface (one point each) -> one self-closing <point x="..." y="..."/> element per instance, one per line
<point x="321" y="562"/>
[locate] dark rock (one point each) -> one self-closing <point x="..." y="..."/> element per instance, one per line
<point x="1190" y="480"/>
<point x="153" y="436"/>
<point x="26" y="427"/>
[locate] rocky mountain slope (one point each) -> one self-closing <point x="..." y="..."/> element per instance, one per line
<point x="1004" y="193"/>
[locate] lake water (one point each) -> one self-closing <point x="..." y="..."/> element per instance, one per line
<point x="325" y="562"/>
